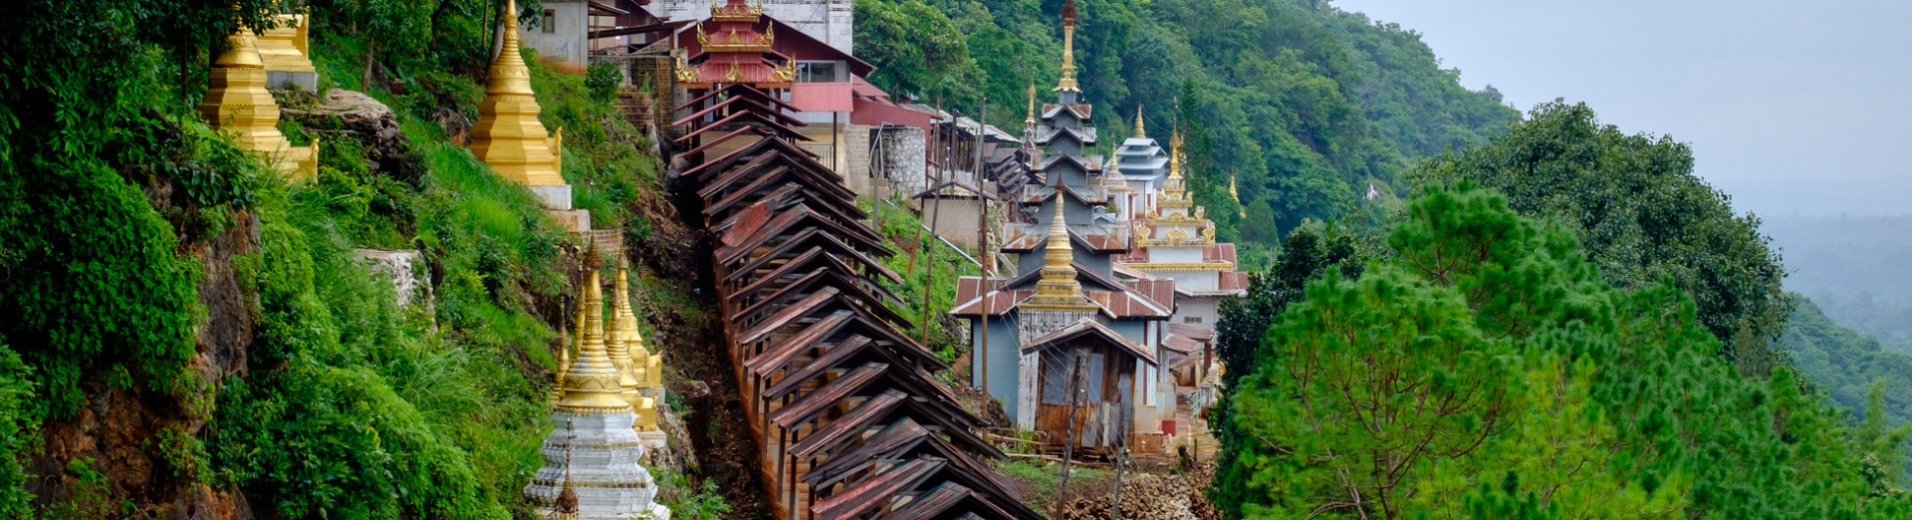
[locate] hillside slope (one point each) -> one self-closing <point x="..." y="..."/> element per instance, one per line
<point x="197" y="338"/>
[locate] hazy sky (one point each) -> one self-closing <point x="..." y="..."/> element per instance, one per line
<point x="1790" y="107"/>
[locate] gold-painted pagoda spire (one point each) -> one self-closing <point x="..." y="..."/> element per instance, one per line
<point x="508" y="135"/>
<point x="1029" y="128"/>
<point x="1174" y="190"/>
<point x="1058" y="289"/>
<point x="237" y="102"/>
<point x="1031" y="119"/>
<point x="1175" y="154"/>
<point x="591" y="385"/>
<point x="1068" y="81"/>
<point x="1242" y="209"/>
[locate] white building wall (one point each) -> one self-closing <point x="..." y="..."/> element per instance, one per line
<point x="1174" y="255"/>
<point x="830" y="21"/>
<point x="570" y="31"/>
<point x="1204" y="310"/>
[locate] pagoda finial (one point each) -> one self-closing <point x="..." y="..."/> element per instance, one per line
<point x="508" y="135"/>
<point x="1057" y="252"/>
<point x="591" y="386"/>
<point x="1058" y="289"/>
<point x="1243" y="208"/>
<point x="566" y="506"/>
<point x="1031" y="120"/>
<point x="1140" y="133"/>
<point x="1068" y="81"/>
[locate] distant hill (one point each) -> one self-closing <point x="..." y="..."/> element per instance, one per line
<point x="1858" y="270"/>
<point x="1845" y="363"/>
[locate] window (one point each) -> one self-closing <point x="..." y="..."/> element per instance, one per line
<point x="819" y="72"/>
<point x="1192" y="319"/>
<point x="550" y="21"/>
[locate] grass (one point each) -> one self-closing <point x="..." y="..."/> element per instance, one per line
<point x="902" y="228"/>
<point x="1040" y="482"/>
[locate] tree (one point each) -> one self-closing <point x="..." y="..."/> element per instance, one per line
<point x="1303" y="257"/>
<point x="1486" y="369"/>
<point x="916" y="49"/>
<point x="1642" y="214"/>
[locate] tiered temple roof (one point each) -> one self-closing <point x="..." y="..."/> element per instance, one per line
<point x="1067" y="232"/>
<point x="1140" y="159"/>
<point x="1176" y="239"/>
<point x="735" y="47"/>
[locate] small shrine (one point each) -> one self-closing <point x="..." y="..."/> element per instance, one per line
<point x="592" y="458"/>
<point x="286" y="55"/>
<point x="509" y="137"/>
<point x="238" y="104"/>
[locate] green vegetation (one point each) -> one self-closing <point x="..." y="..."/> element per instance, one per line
<point x="1846" y="364"/>
<point x="1305" y="103"/>
<point x="1487" y="369"/>
<point x="704" y="504"/>
<point x="1642" y="215"/>
<point x="917" y="252"/>
<point x="342" y="403"/>
<point x="100" y="188"/>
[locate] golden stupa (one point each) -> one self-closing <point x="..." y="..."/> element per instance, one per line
<point x="630" y="368"/>
<point x="646" y="365"/>
<point x="285" y="53"/>
<point x="591" y="383"/>
<point x="237" y="103"/>
<point x="1058" y="289"/>
<point x="508" y="135"/>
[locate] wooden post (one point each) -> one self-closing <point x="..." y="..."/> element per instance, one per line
<point x="1115" y="504"/>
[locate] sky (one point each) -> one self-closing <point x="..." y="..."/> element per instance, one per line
<point x="1792" y="108"/>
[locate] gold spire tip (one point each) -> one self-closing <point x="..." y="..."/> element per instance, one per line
<point x="1068" y="81"/>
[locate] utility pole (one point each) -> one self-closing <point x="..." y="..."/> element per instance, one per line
<point x="936" y="214"/>
<point x="989" y="258"/>
<point x="1069" y="439"/>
